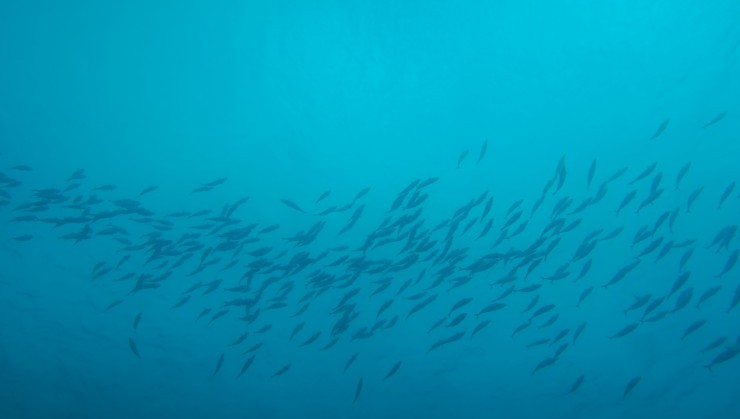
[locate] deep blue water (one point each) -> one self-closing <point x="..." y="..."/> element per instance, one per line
<point x="454" y="270"/>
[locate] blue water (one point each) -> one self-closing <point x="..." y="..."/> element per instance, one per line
<point x="116" y="305"/>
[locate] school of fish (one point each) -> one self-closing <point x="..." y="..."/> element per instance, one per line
<point x="409" y="264"/>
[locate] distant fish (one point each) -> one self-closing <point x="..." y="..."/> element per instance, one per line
<point x="483" y="150"/>
<point x="462" y="157"/>
<point x="107" y="187"/>
<point x="358" y="390"/>
<point x="219" y="363"/>
<point x="392" y="371"/>
<point x="661" y="128"/>
<point x="292" y="205"/>
<point x="323" y="196"/>
<point x="281" y="371"/>
<point x="724" y="356"/>
<point x="246" y="365"/>
<point x="720" y="116"/>
<point x="591" y="173"/>
<point x="137" y="320"/>
<point x="576" y="384"/>
<point x="21" y="168"/>
<point x="682" y="173"/>
<point x="132" y="346"/>
<point x="625" y="331"/>
<point x="726" y="194"/>
<point x="730" y="263"/>
<point x="147" y="190"/>
<point x="631" y="384"/>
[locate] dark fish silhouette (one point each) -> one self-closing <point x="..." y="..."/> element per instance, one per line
<point x="483" y="150"/>
<point x="631" y="384"/>
<point x="462" y="157"/>
<point x="392" y="371"/>
<point x="281" y="371"/>
<point x="661" y="128"/>
<point x="358" y="390"/>
<point x="219" y="363"/>
<point x="720" y="116"/>
<point x="132" y="346"/>
<point x="291" y="204"/>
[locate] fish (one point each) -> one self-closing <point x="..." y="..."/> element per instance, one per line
<point x="724" y="356"/>
<point x="715" y="344"/>
<point x="323" y="196"/>
<point x="681" y="174"/>
<point x="693" y="327"/>
<point x="137" y="319"/>
<point x="148" y="190"/>
<point x="219" y="363"/>
<point x="358" y="390"/>
<point x="576" y="384"/>
<point x="483" y="150"/>
<point x="392" y="371"/>
<point x="445" y="341"/>
<point x="281" y="371"/>
<point x="625" y="331"/>
<point x="720" y="116"/>
<point x="462" y="157"/>
<point x="351" y="361"/>
<point x="544" y="364"/>
<point x="291" y="204"/>
<point x="693" y="197"/>
<point x="725" y="194"/>
<point x="480" y="326"/>
<point x="661" y="128"/>
<point x="246" y="365"/>
<point x="729" y="264"/>
<point x="735" y="299"/>
<point x="591" y="173"/>
<point x="631" y="384"/>
<point x="132" y="346"/>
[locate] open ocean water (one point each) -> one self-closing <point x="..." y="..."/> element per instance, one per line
<point x="369" y="209"/>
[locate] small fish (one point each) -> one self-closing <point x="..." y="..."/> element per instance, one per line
<point x="726" y="194"/>
<point x="392" y="371"/>
<point x="219" y="363"/>
<point x="720" y="116"/>
<point x="730" y="263"/>
<point x="483" y="150"/>
<point x="545" y="363"/>
<point x="22" y="168"/>
<point x="137" y="319"/>
<point x="147" y="190"/>
<point x="351" y="361"/>
<point x="281" y="371"/>
<point x="591" y="173"/>
<point x="631" y="386"/>
<point x="462" y="157"/>
<point x="662" y="127"/>
<point x="132" y="345"/>
<point x="113" y="304"/>
<point x="247" y="364"/>
<point x="323" y="196"/>
<point x="292" y="205"/>
<point x="482" y="325"/>
<point x="693" y="327"/>
<point x="625" y="331"/>
<point x="576" y="384"/>
<point x="358" y="390"/>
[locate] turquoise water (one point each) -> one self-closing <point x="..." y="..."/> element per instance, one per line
<point x="470" y="259"/>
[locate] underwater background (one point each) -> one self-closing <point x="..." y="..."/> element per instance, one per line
<point x="362" y="209"/>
